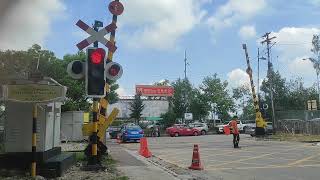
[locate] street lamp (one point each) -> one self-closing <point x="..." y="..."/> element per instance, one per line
<point x="316" y="66"/>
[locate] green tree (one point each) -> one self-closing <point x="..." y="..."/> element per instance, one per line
<point x="243" y="96"/>
<point x="136" y="108"/>
<point x="164" y="82"/>
<point x="199" y="106"/>
<point x="215" y="91"/>
<point x="181" y="99"/>
<point x="280" y="92"/>
<point x="168" y="118"/>
<point x="298" y="95"/>
<point x="18" y="64"/>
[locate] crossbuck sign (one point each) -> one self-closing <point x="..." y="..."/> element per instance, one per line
<point x="96" y="36"/>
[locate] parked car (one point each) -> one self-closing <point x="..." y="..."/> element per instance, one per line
<point x="202" y="127"/>
<point x="182" y="130"/>
<point x="252" y="130"/>
<point x="248" y="123"/>
<point x="269" y="128"/>
<point x="220" y="127"/>
<point x="239" y="124"/>
<point x="114" y="131"/>
<point x="131" y="132"/>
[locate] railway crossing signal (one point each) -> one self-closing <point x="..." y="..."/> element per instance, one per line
<point x="113" y="71"/>
<point x="98" y="70"/>
<point x="95" y="72"/>
<point x="75" y="69"/>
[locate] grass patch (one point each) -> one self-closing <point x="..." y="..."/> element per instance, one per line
<point x="295" y="137"/>
<point x="110" y="163"/>
<point x="80" y="156"/>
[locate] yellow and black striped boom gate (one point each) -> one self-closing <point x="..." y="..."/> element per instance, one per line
<point x="260" y="122"/>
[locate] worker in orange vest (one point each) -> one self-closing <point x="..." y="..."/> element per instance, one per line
<point x="235" y="131"/>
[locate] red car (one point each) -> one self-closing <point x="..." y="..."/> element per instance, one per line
<point x="182" y="130"/>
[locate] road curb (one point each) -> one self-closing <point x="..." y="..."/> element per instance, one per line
<point x="150" y="162"/>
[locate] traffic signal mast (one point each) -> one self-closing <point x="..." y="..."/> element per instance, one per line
<point x="260" y="122"/>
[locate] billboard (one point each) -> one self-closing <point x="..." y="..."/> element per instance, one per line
<point x="149" y="90"/>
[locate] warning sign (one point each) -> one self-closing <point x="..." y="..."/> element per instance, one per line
<point x="34" y="93"/>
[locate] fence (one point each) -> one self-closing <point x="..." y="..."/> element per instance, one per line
<point x="298" y="122"/>
<point x="2" y="119"/>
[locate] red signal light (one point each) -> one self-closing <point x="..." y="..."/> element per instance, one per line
<point x="97" y="56"/>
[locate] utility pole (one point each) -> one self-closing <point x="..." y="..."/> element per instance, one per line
<point x="270" y="78"/>
<point x="185" y="64"/>
<point x="185" y="80"/>
<point x="258" y="85"/>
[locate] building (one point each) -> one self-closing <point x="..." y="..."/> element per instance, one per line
<point x="152" y="107"/>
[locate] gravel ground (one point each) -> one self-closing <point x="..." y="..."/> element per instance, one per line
<point x="74" y="173"/>
<point x="73" y="146"/>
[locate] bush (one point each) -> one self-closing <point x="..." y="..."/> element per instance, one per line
<point x="169" y="118"/>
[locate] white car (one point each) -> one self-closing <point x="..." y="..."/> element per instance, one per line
<point x="202" y="127"/>
<point x="248" y="124"/>
<point x="239" y="124"/>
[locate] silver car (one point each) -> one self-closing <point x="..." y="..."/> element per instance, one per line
<point x="252" y="130"/>
<point x="202" y="127"/>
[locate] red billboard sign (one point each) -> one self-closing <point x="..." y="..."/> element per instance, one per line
<point x="149" y="90"/>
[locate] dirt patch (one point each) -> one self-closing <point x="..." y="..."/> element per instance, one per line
<point x="296" y="137"/>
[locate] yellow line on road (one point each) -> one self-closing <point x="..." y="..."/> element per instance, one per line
<point x="303" y="159"/>
<point x="260" y="156"/>
<point x="262" y="167"/>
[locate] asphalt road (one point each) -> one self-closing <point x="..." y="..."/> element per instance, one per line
<point x="256" y="160"/>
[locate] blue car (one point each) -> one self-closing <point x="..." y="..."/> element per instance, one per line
<point x="131" y="132"/>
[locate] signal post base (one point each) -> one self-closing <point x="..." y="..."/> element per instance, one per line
<point x="260" y="132"/>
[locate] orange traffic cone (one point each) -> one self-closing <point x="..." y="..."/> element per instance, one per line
<point x="144" y="150"/>
<point x="196" y="163"/>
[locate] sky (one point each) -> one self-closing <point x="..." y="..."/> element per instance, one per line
<point x="152" y="36"/>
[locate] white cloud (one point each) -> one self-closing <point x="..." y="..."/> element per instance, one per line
<point x="292" y="45"/>
<point x="235" y="11"/>
<point x="315" y="2"/>
<point x="25" y="23"/>
<point x="302" y="67"/>
<point x="121" y="91"/>
<point x="247" y="32"/>
<point x="293" y="42"/>
<point x="160" y="24"/>
<point x="238" y="77"/>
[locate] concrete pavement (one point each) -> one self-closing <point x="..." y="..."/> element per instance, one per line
<point x="134" y="166"/>
<point x="257" y="159"/>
